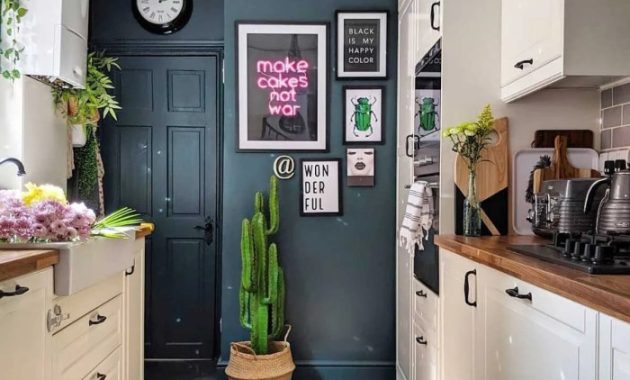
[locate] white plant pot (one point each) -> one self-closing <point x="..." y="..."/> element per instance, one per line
<point x="79" y="137"/>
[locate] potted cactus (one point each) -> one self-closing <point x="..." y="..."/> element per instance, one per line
<point x="262" y="296"/>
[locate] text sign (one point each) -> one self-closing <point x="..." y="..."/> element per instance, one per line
<point x="321" y="189"/>
<point x="361" y="45"/>
<point x="282" y="78"/>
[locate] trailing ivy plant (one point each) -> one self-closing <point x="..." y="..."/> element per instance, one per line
<point x="10" y="49"/>
<point x="84" y="106"/>
<point x="86" y="164"/>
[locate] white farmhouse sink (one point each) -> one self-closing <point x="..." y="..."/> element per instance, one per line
<point x="83" y="264"/>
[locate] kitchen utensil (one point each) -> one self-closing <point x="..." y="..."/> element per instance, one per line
<point x="492" y="185"/>
<point x="613" y="214"/>
<point x="522" y="165"/>
<point x="576" y="138"/>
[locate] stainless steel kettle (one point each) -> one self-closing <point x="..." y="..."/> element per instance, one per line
<point x="613" y="215"/>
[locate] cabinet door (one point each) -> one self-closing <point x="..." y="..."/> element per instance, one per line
<point x="134" y="316"/>
<point x="614" y="349"/>
<point x="458" y="295"/>
<point x="427" y="17"/>
<point x="546" y="337"/>
<point x="532" y="34"/>
<point x="23" y="336"/>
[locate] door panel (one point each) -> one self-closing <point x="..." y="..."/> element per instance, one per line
<point x="161" y="158"/>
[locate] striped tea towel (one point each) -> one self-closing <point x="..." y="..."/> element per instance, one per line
<point x="418" y="216"/>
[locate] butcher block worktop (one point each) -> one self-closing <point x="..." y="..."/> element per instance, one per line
<point x="609" y="294"/>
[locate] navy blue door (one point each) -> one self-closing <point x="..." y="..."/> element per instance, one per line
<point x="161" y="158"/>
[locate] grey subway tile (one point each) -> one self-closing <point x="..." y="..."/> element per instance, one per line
<point x="621" y="137"/>
<point x="611" y="117"/>
<point x="606" y="139"/>
<point x="621" y="94"/>
<point x="606" y="98"/>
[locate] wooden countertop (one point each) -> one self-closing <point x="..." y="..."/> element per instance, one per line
<point x="145" y="230"/>
<point x="14" y="263"/>
<point x="609" y="294"/>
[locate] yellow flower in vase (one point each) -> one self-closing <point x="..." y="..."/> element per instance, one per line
<point x="35" y="194"/>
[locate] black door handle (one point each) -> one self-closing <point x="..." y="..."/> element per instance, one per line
<point x="421" y="293"/>
<point x="514" y="293"/>
<point x="131" y="270"/>
<point x="99" y="319"/>
<point x="436" y="4"/>
<point x="101" y="376"/>
<point x="521" y="64"/>
<point x="420" y="340"/>
<point x="208" y="230"/>
<point x="19" y="290"/>
<point x="467" y="287"/>
<point x="408" y="144"/>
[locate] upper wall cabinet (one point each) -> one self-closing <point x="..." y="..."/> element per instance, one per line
<point x="55" y="36"/>
<point x="577" y="43"/>
<point x="428" y="19"/>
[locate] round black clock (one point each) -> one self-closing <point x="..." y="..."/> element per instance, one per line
<point x="162" y="16"/>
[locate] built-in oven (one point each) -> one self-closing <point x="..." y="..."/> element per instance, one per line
<point x="427" y="157"/>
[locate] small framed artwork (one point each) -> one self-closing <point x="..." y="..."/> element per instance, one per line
<point x="320" y="181"/>
<point x="360" y="167"/>
<point x="282" y="86"/>
<point x="363" y="115"/>
<point x="361" y="44"/>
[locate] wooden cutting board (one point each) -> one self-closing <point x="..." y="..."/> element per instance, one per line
<point x="561" y="168"/>
<point x="576" y="138"/>
<point x="492" y="185"/>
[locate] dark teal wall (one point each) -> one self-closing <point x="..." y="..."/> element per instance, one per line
<point x="340" y="271"/>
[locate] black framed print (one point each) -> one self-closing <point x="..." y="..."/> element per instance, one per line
<point x="362" y="44"/>
<point x="364" y="115"/>
<point x="360" y="164"/>
<point x="320" y="187"/>
<point x="282" y="86"/>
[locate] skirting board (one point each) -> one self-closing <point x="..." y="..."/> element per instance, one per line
<point x="387" y="372"/>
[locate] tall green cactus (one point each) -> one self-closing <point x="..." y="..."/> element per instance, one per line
<point x="262" y="290"/>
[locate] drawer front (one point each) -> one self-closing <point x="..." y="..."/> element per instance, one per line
<point x="34" y="282"/>
<point x="79" y="304"/>
<point x="425" y="306"/>
<point x="425" y="356"/>
<point x="109" y="369"/>
<point x="80" y="347"/>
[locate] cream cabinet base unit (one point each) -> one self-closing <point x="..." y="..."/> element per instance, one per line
<point x="24" y="341"/>
<point x="614" y="349"/>
<point x="578" y="42"/>
<point x="133" y="296"/>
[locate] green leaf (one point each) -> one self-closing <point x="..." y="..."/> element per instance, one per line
<point x="22" y="12"/>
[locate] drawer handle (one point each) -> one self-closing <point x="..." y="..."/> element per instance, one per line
<point x="515" y="294"/>
<point x="101" y="376"/>
<point x="99" y="319"/>
<point x="433" y="6"/>
<point x="521" y="64"/>
<point x="467" y="287"/>
<point x="420" y="340"/>
<point x="19" y="290"/>
<point x="421" y="293"/>
<point x="130" y="271"/>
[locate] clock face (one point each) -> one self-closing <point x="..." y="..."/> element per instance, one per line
<point x="159" y="12"/>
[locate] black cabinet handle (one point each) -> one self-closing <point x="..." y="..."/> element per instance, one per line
<point x="101" y="376"/>
<point x="433" y="6"/>
<point x="467" y="287"/>
<point x="521" y="64"/>
<point x="420" y="340"/>
<point x="19" y="290"/>
<point x="99" y="319"/>
<point x="515" y="294"/>
<point x="421" y="293"/>
<point x="131" y="270"/>
<point x="412" y="142"/>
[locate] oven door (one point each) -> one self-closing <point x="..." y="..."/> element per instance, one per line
<point x="426" y="266"/>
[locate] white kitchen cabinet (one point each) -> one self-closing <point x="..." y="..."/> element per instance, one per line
<point x="110" y="369"/>
<point x="530" y="333"/>
<point x="579" y="42"/>
<point x="24" y="341"/>
<point x="614" y="349"/>
<point x="133" y="295"/>
<point x="425" y="355"/>
<point x="427" y="16"/>
<point x="458" y="310"/>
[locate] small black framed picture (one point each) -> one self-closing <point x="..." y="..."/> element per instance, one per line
<point x="364" y="115"/>
<point x="360" y="165"/>
<point x="320" y="187"/>
<point x="362" y="44"/>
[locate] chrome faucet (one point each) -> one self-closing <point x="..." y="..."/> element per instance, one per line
<point x="17" y="163"/>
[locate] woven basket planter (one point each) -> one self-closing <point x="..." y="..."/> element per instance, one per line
<point x="246" y="365"/>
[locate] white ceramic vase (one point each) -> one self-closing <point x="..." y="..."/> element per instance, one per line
<point x="79" y="137"/>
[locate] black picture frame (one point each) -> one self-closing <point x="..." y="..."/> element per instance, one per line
<point x="169" y="27"/>
<point x="383" y="71"/>
<point x="340" y="187"/>
<point x="326" y="91"/>
<point x="382" y="116"/>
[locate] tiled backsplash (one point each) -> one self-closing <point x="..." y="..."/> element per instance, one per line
<point x="615" y="105"/>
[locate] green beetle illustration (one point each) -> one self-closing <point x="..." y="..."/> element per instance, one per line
<point x="428" y="114"/>
<point x="362" y="116"/>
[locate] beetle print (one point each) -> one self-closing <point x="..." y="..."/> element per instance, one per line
<point x="362" y="116"/>
<point x="427" y="114"/>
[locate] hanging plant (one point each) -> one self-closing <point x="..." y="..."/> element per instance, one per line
<point x="86" y="164"/>
<point x="10" y="49"/>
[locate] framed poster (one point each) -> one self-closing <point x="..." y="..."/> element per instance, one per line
<point x="282" y="86"/>
<point x="320" y="187"/>
<point x="363" y="115"/>
<point x="361" y="44"/>
<point x="360" y="167"/>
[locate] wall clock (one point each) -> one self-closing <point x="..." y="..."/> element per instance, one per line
<point x="162" y="16"/>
